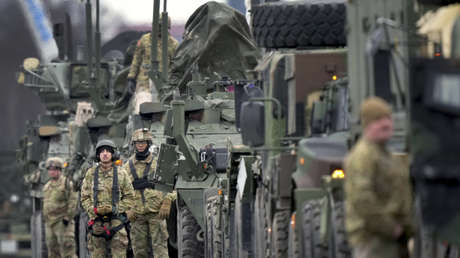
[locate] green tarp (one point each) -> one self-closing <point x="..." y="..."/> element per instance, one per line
<point x="217" y="42"/>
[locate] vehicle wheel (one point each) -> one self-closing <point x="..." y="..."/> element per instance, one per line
<point x="280" y="233"/>
<point x="190" y="236"/>
<point x="171" y="223"/>
<point x="311" y="231"/>
<point x="296" y="25"/>
<point x="214" y="233"/>
<point x="293" y="241"/>
<point x="261" y="226"/>
<point x="340" y="244"/>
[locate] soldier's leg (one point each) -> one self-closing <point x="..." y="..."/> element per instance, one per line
<point x="142" y="94"/>
<point x="66" y="239"/>
<point x="97" y="245"/>
<point x="119" y="244"/>
<point x="139" y="237"/>
<point x="376" y="248"/>
<point x="51" y="241"/>
<point x="159" y="235"/>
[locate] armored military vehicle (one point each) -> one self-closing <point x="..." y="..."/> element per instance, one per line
<point x="83" y="104"/>
<point x="209" y="64"/>
<point x="297" y="132"/>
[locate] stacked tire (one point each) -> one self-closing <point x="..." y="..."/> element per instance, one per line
<point x="299" y="24"/>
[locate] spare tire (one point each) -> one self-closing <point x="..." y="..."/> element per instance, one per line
<point x="299" y="24"/>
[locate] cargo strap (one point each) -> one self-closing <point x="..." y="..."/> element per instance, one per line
<point x="115" y="190"/>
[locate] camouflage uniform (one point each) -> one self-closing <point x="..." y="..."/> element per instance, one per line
<point x="146" y="214"/>
<point x="60" y="203"/>
<point x="119" y="242"/>
<point x="140" y="66"/>
<point x="378" y="198"/>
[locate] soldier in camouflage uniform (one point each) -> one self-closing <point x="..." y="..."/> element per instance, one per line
<point x="107" y="196"/>
<point x="148" y="231"/>
<point x="59" y="209"/>
<point x="378" y="206"/>
<point x="138" y="76"/>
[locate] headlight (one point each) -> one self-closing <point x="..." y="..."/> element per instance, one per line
<point x="338" y="174"/>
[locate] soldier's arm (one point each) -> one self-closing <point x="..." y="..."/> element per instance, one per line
<point x="137" y="60"/>
<point x="72" y="201"/>
<point x="172" y="46"/>
<point x="126" y="192"/>
<point x="86" y="198"/>
<point x="364" y="201"/>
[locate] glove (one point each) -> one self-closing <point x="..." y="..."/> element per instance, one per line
<point x="165" y="209"/>
<point x="131" y="86"/>
<point x="65" y="222"/>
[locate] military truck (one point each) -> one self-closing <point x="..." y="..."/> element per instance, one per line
<point x="292" y="196"/>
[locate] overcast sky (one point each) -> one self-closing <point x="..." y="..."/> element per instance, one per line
<point x="140" y="11"/>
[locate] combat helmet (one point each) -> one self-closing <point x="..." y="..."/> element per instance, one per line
<point x="142" y="134"/>
<point x="106" y="143"/>
<point x="54" y="162"/>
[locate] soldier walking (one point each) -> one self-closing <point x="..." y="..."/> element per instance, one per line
<point x="59" y="209"/>
<point x="378" y="204"/>
<point x="152" y="207"/>
<point x="107" y="196"/>
<point x="138" y="76"/>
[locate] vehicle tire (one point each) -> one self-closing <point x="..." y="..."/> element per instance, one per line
<point x="339" y="242"/>
<point x="261" y="226"/>
<point x="280" y="234"/>
<point x="214" y="233"/>
<point x="171" y="225"/>
<point x="293" y="242"/>
<point x="311" y="231"/>
<point x="299" y="24"/>
<point x="190" y="236"/>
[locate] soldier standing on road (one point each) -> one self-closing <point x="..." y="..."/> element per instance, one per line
<point x="107" y="196"/>
<point x="378" y="206"/>
<point x="152" y="207"/>
<point x="138" y="76"/>
<point x="59" y="209"/>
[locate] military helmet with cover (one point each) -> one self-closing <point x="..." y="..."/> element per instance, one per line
<point x="142" y="134"/>
<point x="55" y="162"/>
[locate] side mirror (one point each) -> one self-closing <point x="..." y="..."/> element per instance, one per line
<point x="253" y="123"/>
<point x="318" y="117"/>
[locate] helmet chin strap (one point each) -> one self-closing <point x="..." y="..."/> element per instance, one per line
<point x="144" y="154"/>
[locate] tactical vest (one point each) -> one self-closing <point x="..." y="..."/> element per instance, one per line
<point x="108" y="233"/>
<point x="141" y="184"/>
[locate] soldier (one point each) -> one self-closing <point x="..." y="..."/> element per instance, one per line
<point x="107" y="196"/>
<point x="59" y="209"/>
<point x="377" y="187"/>
<point x="149" y="233"/>
<point x="138" y="76"/>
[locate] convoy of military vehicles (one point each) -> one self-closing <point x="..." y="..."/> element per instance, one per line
<point x="252" y="123"/>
